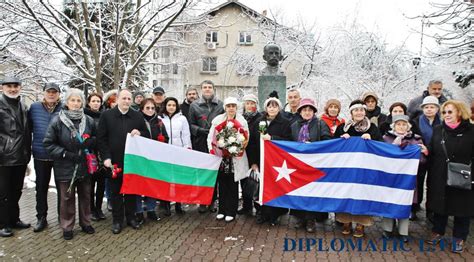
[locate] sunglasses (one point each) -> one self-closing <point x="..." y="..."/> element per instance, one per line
<point x="447" y="112"/>
<point x="149" y="108"/>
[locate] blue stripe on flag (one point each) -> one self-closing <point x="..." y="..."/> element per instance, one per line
<point x="368" y="177"/>
<point x="352" y="206"/>
<point x="353" y="144"/>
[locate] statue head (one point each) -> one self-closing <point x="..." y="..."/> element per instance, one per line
<point x="272" y="54"/>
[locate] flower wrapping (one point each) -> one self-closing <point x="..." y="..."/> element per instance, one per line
<point x="229" y="139"/>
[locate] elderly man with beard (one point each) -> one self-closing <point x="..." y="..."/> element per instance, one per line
<point x="114" y="124"/>
<point x="15" y="145"/>
<point x="201" y="114"/>
<point x="39" y="116"/>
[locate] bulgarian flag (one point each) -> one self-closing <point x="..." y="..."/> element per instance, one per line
<point x="168" y="172"/>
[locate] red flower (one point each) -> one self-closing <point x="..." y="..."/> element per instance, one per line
<point x="85" y="136"/>
<point x="161" y="138"/>
<point x="116" y="171"/>
<point x="204" y="118"/>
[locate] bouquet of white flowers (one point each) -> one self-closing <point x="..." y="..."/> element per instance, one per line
<point x="230" y="139"/>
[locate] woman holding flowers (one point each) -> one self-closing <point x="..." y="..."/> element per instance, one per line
<point x="70" y="138"/>
<point x="228" y="137"/>
<point x="273" y="126"/>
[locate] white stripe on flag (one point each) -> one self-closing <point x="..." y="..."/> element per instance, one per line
<point x="355" y="191"/>
<point x="360" y="160"/>
<point x="158" y="151"/>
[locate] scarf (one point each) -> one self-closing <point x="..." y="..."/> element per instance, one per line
<point x="361" y="126"/>
<point x="249" y="115"/>
<point x="332" y="121"/>
<point x="303" y="135"/>
<point x="426" y="128"/>
<point x="399" y="137"/>
<point x="48" y="107"/>
<point x="374" y="115"/>
<point x="67" y="116"/>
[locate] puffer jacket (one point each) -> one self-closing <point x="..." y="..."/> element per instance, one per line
<point x="15" y="136"/>
<point x="59" y="140"/>
<point x="201" y="114"/>
<point x="39" y="118"/>
<point x="177" y="128"/>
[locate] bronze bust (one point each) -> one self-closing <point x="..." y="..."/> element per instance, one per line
<point x="272" y="54"/>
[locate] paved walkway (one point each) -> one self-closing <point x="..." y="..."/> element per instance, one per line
<point x="197" y="237"/>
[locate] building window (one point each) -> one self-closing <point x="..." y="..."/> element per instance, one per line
<point x="211" y="37"/>
<point x="245" y="38"/>
<point x="156" y="69"/>
<point x="209" y="64"/>
<point x="166" y="52"/>
<point x="156" y="54"/>
<point x="165" y="69"/>
<point x="175" y="69"/>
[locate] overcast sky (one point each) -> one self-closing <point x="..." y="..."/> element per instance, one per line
<point x="386" y="17"/>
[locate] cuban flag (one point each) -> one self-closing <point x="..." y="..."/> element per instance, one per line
<point x="356" y="176"/>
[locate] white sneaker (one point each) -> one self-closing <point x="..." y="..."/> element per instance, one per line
<point x="229" y="218"/>
<point x="220" y="216"/>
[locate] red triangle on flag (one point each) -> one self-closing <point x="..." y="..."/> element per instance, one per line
<point x="284" y="173"/>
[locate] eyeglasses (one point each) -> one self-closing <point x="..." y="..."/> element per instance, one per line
<point x="447" y="112"/>
<point x="149" y="108"/>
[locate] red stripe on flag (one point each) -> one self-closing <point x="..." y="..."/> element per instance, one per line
<point x="139" y="185"/>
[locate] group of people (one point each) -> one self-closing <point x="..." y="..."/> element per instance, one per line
<point x="63" y="136"/>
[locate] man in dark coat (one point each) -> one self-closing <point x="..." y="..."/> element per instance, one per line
<point x="201" y="114"/>
<point x="114" y="124"/>
<point x="191" y="96"/>
<point x="15" y="144"/>
<point x="435" y="88"/>
<point x="39" y="116"/>
<point x="374" y="112"/>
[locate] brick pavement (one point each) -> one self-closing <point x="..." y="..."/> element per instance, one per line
<point x="196" y="237"/>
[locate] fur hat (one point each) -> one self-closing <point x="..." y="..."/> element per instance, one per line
<point x="332" y="102"/>
<point x="265" y="104"/>
<point x="231" y="100"/>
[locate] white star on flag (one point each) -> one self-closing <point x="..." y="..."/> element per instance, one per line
<point x="284" y="172"/>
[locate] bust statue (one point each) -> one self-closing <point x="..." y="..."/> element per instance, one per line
<point x="272" y="54"/>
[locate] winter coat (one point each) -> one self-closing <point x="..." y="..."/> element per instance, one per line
<point x="15" y="136"/>
<point x="289" y="115"/>
<point x="201" y="115"/>
<point x="177" y="128"/>
<point x="279" y="129"/>
<point x="112" y="133"/>
<point x="426" y="129"/>
<point x="385" y="126"/>
<point x="376" y="116"/>
<point x="414" y="109"/>
<point x="240" y="164"/>
<point x="442" y="199"/>
<point x="155" y="128"/>
<point x="254" y="138"/>
<point x="332" y="122"/>
<point x="59" y="140"/>
<point x="318" y="130"/>
<point x="413" y="139"/>
<point x="184" y="108"/>
<point x="373" y="131"/>
<point x="39" y="118"/>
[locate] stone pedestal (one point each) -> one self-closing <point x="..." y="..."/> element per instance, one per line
<point x="268" y="84"/>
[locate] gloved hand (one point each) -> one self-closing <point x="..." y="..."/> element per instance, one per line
<point x="203" y="131"/>
<point x="76" y="158"/>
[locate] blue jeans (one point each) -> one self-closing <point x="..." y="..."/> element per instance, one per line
<point x="150" y="204"/>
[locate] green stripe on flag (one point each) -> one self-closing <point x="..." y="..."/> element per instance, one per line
<point x="167" y="172"/>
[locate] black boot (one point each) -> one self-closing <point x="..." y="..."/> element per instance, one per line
<point x="40" y="225"/>
<point x="6" y="232"/>
<point x="140" y="218"/>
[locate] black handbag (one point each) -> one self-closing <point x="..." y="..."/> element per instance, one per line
<point x="459" y="174"/>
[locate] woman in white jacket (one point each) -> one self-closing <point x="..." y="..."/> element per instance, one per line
<point x="177" y="127"/>
<point x="233" y="168"/>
